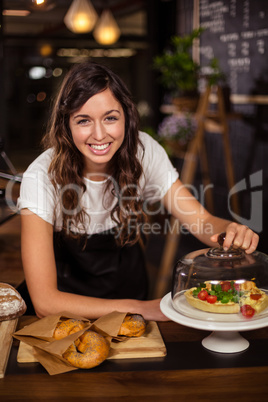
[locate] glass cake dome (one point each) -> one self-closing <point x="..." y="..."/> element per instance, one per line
<point x="218" y="285"/>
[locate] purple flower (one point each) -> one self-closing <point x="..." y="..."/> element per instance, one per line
<point x="179" y="127"/>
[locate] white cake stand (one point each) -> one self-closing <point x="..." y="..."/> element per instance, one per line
<point x="225" y="337"/>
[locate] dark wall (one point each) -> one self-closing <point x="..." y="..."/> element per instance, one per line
<point x="236" y="34"/>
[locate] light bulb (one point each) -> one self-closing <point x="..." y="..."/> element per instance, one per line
<point x="106" y="31"/>
<point x="81" y="16"/>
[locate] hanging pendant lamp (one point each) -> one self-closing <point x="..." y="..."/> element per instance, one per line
<point x="106" y="31"/>
<point x="81" y="16"/>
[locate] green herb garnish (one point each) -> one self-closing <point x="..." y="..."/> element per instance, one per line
<point x="223" y="296"/>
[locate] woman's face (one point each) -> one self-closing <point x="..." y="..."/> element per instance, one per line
<point x="98" y="131"/>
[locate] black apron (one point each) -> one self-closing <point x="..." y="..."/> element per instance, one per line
<point x="101" y="269"/>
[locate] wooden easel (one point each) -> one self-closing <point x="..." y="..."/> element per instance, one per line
<point x="208" y="120"/>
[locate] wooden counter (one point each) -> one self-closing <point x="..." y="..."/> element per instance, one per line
<point x="188" y="372"/>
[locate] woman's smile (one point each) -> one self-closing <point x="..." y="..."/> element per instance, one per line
<point x="100" y="149"/>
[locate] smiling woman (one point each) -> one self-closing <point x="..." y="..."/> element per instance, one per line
<point x="83" y="203"/>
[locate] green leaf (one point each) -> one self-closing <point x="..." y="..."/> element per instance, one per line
<point x="225" y="299"/>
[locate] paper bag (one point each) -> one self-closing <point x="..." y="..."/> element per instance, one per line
<point x="48" y="351"/>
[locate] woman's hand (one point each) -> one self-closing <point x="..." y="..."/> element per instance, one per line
<point x="239" y="236"/>
<point x="150" y="310"/>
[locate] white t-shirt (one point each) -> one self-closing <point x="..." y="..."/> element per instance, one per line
<point x="39" y="195"/>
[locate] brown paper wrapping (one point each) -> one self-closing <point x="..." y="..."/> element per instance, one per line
<point x="48" y="351"/>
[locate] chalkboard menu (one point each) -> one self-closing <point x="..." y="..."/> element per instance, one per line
<point x="236" y="33"/>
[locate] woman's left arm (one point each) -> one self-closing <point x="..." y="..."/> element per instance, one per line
<point x="181" y="203"/>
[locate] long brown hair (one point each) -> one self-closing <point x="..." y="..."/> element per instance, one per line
<point x="81" y="83"/>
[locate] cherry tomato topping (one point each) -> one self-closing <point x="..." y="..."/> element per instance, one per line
<point x="225" y="286"/>
<point x="236" y="286"/>
<point x="255" y="296"/>
<point x="247" y="311"/>
<point x="211" y="299"/>
<point x="202" y="295"/>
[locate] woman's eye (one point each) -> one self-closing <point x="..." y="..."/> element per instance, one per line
<point x="82" y="122"/>
<point x="111" y="118"/>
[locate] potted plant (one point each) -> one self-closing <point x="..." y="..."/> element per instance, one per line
<point x="179" y="73"/>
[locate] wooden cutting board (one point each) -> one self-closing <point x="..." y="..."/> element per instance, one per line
<point x="151" y="344"/>
<point x="6" y="330"/>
